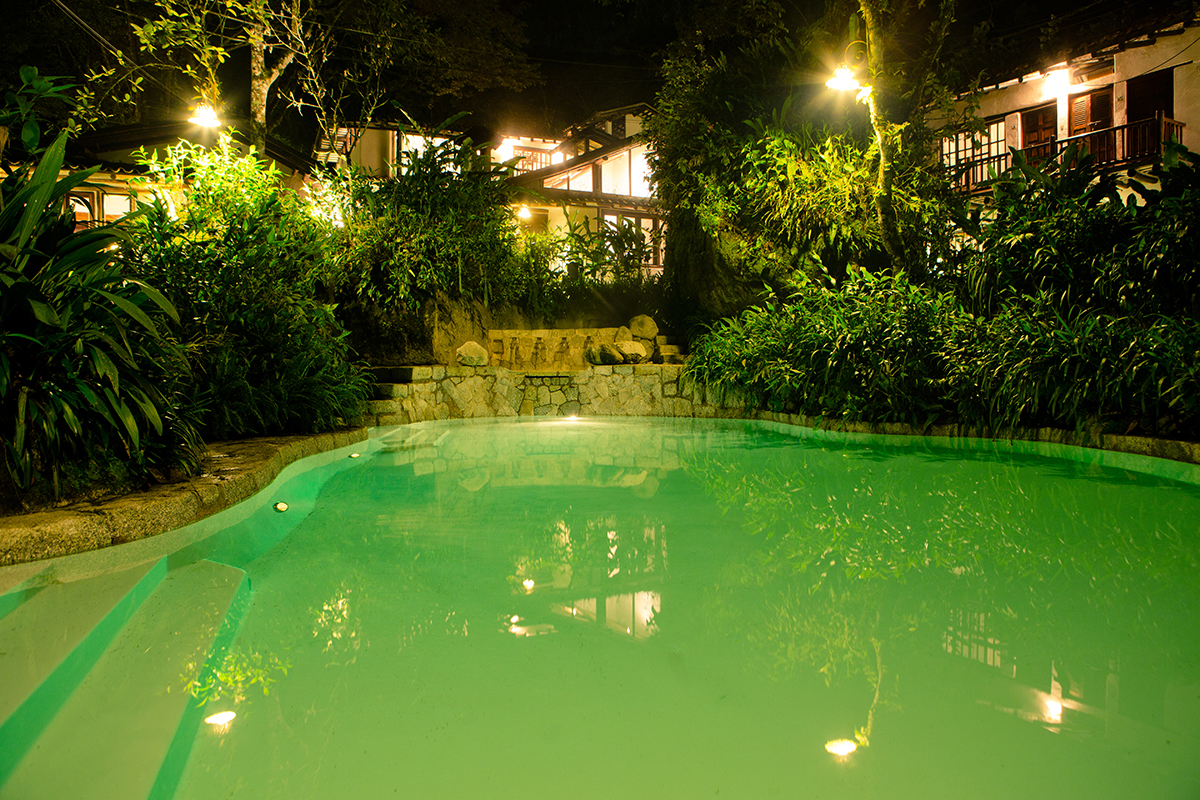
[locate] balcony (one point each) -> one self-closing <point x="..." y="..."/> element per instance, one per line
<point x="1113" y="148"/>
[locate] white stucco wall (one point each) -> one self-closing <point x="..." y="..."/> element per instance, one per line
<point x="1176" y="51"/>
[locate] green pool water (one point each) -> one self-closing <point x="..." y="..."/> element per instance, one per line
<point x="682" y="609"/>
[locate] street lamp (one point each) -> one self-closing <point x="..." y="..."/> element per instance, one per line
<point x="843" y="80"/>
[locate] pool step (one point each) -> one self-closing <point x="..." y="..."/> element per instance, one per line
<point x="52" y="639"/>
<point x="126" y="731"/>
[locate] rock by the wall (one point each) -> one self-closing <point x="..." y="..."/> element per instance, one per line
<point x="643" y="327"/>
<point x="602" y="354"/>
<point x="471" y="354"/>
<point x="631" y="352"/>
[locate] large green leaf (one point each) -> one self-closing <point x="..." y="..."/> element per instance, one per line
<point x="43" y="181"/>
<point x="130" y="309"/>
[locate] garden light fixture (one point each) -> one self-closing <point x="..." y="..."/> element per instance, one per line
<point x="205" y="117"/>
<point x="843" y="80"/>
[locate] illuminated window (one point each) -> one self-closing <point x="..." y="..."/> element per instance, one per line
<point x="116" y="206"/>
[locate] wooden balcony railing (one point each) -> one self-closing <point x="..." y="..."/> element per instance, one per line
<point x="1119" y="146"/>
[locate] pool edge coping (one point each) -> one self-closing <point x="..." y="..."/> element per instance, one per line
<point x="237" y="470"/>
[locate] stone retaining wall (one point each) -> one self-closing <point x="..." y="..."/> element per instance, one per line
<point x="661" y="390"/>
<point x="643" y="390"/>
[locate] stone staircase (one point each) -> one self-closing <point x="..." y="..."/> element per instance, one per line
<point x="672" y="348"/>
<point x="94" y="678"/>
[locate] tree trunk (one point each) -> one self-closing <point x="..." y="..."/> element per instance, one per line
<point x="884" y="208"/>
<point x="261" y="77"/>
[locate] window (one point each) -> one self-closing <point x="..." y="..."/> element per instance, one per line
<point x="1091" y="112"/>
<point x="116" y="206"/>
<point x="973" y="155"/>
<point x="1092" y="119"/>
<point x="1151" y="95"/>
<point x="653" y="230"/>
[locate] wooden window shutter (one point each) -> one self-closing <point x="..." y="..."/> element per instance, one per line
<point x="1079" y="114"/>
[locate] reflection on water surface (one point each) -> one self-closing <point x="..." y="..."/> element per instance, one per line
<point x="676" y="609"/>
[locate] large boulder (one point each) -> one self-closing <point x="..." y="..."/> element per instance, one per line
<point x="623" y="334"/>
<point x="631" y="352"/>
<point x="472" y="354"/>
<point x="643" y="327"/>
<point x="604" y="354"/>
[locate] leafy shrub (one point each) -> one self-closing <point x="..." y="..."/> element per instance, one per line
<point x="1060" y="230"/>
<point x="442" y="223"/>
<point x="87" y="366"/>
<point x="884" y="350"/>
<point x="241" y="263"/>
<point x="1037" y="365"/>
<point x="872" y="351"/>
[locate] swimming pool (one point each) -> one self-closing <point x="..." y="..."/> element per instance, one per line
<point x="645" y="609"/>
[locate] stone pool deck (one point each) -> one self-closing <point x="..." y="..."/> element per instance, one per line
<point x="236" y="470"/>
<point x="415" y="394"/>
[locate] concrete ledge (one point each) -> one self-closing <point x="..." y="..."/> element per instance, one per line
<point x="237" y="470"/>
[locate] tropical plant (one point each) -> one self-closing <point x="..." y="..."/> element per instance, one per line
<point x="872" y="351"/>
<point x="241" y="259"/>
<point x="88" y="368"/>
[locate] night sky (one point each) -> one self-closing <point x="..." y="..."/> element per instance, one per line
<point x="591" y="57"/>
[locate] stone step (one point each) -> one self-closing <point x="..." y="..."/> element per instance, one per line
<point x="52" y="639"/>
<point x="406" y="374"/>
<point x="127" y="729"/>
<point x="674" y="358"/>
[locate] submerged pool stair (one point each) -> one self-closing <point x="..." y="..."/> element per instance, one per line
<point x="95" y="702"/>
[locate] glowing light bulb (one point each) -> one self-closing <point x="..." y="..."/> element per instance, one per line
<point x="528" y="584"/>
<point x="281" y="506"/>
<point x="205" y="117"/>
<point x="355" y="455"/>
<point x="1054" y="709"/>
<point x="843" y="80"/>
<point x="221" y="719"/>
<point x="514" y="618"/>
<point x="840" y="747"/>
<point x="524" y="213"/>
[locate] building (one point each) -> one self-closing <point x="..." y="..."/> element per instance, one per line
<point x="1120" y="103"/>
<point x="596" y="174"/>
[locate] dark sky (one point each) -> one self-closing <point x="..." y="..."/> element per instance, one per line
<point x="591" y="57"/>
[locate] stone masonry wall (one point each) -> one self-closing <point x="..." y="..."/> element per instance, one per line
<point x="649" y="390"/>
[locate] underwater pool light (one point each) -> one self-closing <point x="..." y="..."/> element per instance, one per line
<point x="840" y="747"/>
<point x="528" y="584"/>
<point x="281" y="506"/>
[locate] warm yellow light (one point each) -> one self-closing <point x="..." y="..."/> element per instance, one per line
<point x="1057" y="84"/>
<point x="1054" y="709"/>
<point x="557" y="157"/>
<point x="281" y="506"/>
<point x="528" y="584"/>
<point x="504" y="152"/>
<point x="514" y="618"/>
<point x="840" y="747"/>
<point x="843" y="80"/>
<point x="205" y="117"/>
<point x="355" y="455"/>
<point x="221" y="719"/>
<point x="524" y="213"/>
